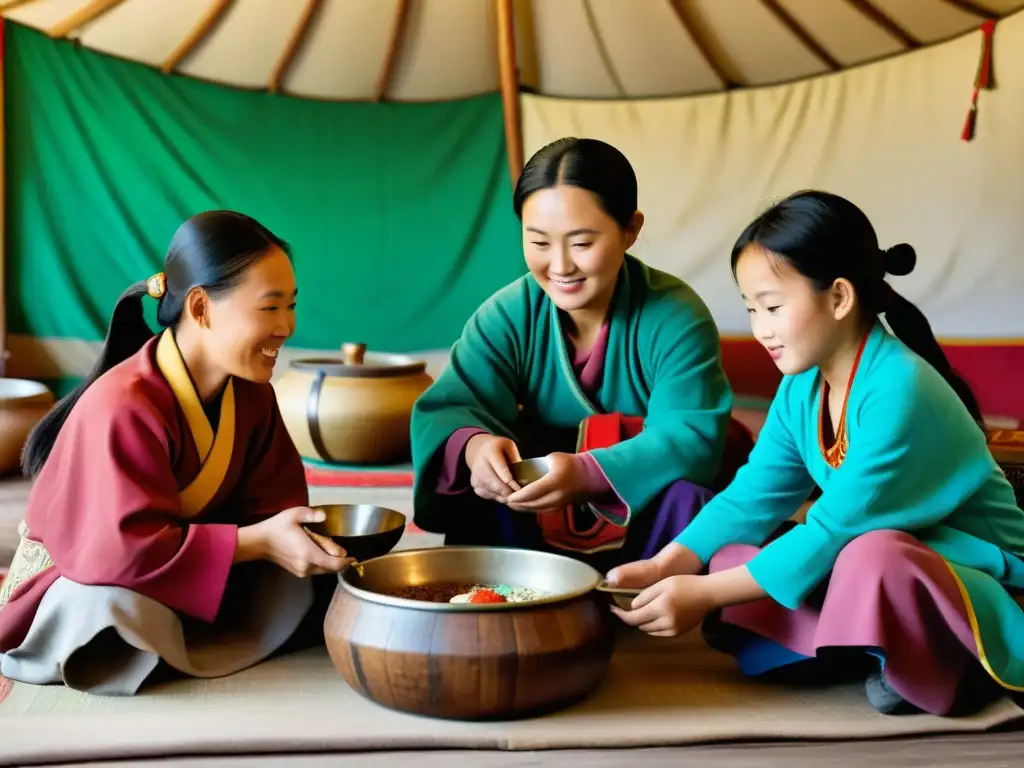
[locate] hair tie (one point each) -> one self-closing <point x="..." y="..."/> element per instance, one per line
<point x="899" y="260"/>
<point x="156" y="286"/>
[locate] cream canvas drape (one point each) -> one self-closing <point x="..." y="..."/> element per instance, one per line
<point x="886" y="135"/>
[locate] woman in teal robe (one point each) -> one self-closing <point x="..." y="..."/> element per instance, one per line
<point x="606" y="366"/>
<point x="909" y="568"/>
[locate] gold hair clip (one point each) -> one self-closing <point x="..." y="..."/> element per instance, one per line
<point x="156" y="286"/>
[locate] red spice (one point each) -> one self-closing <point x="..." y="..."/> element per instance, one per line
<point x="487" y="596"/>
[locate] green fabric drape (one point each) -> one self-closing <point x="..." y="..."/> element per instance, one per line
<point x="399" y="214"/>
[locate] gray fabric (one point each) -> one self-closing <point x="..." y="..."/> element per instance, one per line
<point x="109" y="640"/>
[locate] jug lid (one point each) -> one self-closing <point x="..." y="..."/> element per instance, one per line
<point x="355" y="363"/>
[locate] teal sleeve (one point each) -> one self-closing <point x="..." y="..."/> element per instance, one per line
<point x="909" y="465"/>
<point x="478" y="388"/>
<point x="766" y="491"/>
<point x="688" y="409"/>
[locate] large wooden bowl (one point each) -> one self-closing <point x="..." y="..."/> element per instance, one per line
<point x="22" y="404"/>
<point x="464" y="661"/>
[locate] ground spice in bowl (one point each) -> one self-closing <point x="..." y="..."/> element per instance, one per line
<point x="444" y="592"/>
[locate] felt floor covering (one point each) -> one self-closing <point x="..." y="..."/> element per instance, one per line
<point x="658" y="694"/>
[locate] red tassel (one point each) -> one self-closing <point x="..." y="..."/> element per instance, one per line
<point x="968" y="132"/>
<point x="982" y="79"/>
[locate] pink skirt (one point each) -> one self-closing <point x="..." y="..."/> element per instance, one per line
<point x="889" y="597"/>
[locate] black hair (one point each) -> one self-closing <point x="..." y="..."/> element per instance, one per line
<point x="825" y="237"/>
<point x="211" y="250"/>
<point x="588" y="164"/>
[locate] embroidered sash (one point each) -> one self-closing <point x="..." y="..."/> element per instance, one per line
<point x="562" y="529"/>
<point x="585" y="530"/>
<point x="214" y="451"/>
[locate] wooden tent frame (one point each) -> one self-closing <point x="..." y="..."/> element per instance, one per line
<point x="517" y="63"/>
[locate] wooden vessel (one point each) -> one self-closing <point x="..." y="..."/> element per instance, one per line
<point x="471" y="662"/>
<point x="22" y="404"/>
<point x="354" y="409"/>
<point x="1007" y="447"/>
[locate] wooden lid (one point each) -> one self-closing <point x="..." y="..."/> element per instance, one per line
<point x="1007" y="445"/>
<point x="355" y="363"/>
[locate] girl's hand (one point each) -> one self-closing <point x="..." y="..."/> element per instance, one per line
<point x="488" y="458"/>
<point x="679" y="603"/>
<point x="673" y="560"/>
<point x="564" y="484"/>
<point x="671" y="607"/>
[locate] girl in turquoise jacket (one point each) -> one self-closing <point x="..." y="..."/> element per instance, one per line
<point x="912" y="558"/>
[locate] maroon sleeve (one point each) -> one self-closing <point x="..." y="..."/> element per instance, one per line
<point x="275" y="478"/>
<point x="455" y="475"/>
<point x="106" y="508"/>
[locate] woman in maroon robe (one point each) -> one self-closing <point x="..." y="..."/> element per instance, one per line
<point x="165" y="521"/>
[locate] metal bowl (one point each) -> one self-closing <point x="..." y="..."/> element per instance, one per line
<point x="364" y="530"/>
<point x="621" y="596"/>
<point x="562" y="578"/>
<point x="530" y="470"/>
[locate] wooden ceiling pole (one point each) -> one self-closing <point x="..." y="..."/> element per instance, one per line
<point x="526" y="45"/>
<point x="509" y="79"/>
<point x="801" y="33"/>
<point x="206" y="24"/>
<point x="88" y="12"/>
<point x="294" y="43"/>
<point x="973" y="8"/>
<point x="886" y="23"/>
<point x="696" y="34"/>
<point x="14" y="4"/>
<point x="602" y="50"/>
<point x="398" y="28"/>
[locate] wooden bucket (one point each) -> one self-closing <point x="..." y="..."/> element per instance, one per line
<point x="1007" y="446"/>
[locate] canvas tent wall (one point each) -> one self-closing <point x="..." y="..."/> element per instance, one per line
<point x="400" y="210"/>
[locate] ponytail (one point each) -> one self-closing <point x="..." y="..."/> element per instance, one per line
<point x="912" y="328"/>
<point x="127" y="334"/>
<point x="825" y="237"/>
<point x="211" y="250"/>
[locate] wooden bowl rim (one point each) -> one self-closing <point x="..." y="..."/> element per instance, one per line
<point x="422" y="605"/>
<point x="16" y="393"/>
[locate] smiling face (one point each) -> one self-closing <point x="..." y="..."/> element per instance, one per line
<point x="800" y="326"/>
<point x="247" y="326"/>
<point x="573" y="248"/>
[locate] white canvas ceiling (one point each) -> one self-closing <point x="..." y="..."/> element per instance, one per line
<point x="447" y="49"/>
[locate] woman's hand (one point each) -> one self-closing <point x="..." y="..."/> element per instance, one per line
<point x="672" y="606"/>
<point x="282" y="540"/>
<point x="563" y="484"/>
<point x="673" y="560"/>
<point x="488" y="458"/>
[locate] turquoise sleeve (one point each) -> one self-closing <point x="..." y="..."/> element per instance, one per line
<point x="478" y="388"/>
<point x="907" y="468"/>
<point x="766" y="491"/>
